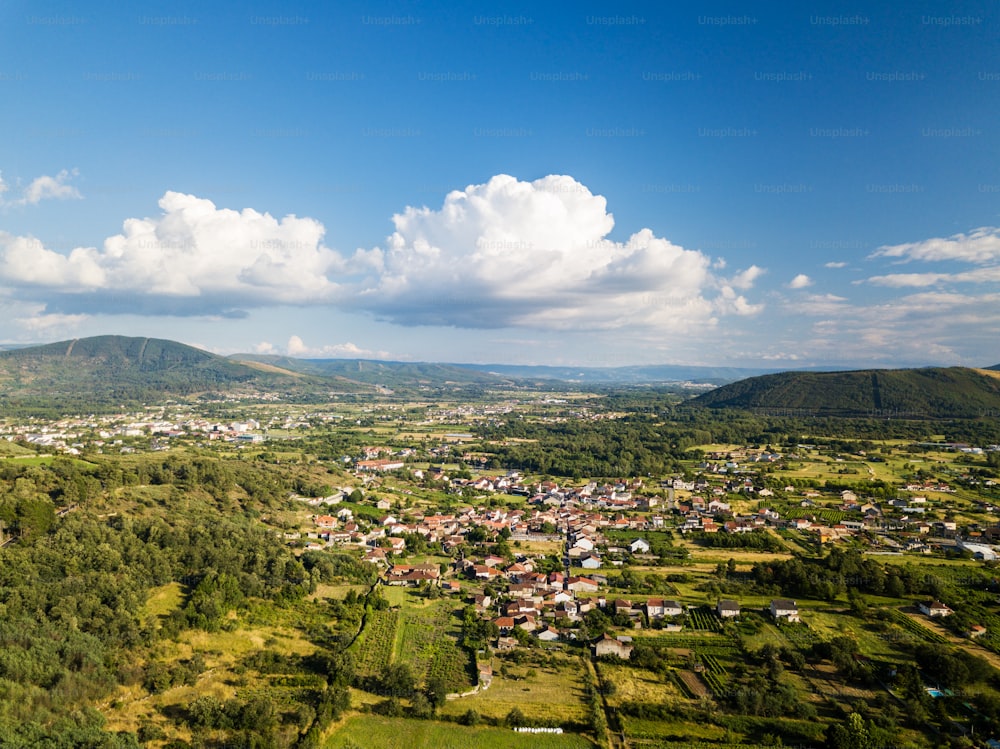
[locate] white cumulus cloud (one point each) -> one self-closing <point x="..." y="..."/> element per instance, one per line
<point x="297" y="348"/>
<point x="745" y="279"/>
<point x="194" y="258"/>
<point x="537" y="254"/>
<point x="500" y="254"/>
<point x="801" y="281"/>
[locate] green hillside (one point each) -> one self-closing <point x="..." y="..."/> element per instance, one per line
<point x="119" y="370"/>
<point x="934" y="392"/>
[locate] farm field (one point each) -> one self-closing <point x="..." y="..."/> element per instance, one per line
<point x="541" y="693"/>
<point x="657" y="733"/>
<point x="427" y="640"/>
<point x="372" y="732"/>
<point x="638" y="685"/>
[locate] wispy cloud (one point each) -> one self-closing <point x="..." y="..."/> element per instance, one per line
<point x="980" y="246"/>
<point x="923" y="327"/>
<point x="41" y="188"/>
<point x="900" y="280"/>
<point x="818" y="304"/>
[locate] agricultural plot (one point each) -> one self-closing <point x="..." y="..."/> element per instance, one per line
<point x="375" y="648"/>
<point x="826" y="515"/>
<point x="801" y="636"/>
<point x="691" y="685"/>
<point x="715" y="675"/>
<point x="633" y="684"/>
<point x="917" y="630"/>
<point x="374" y="732"/>
<point x="549" y="693"/>
<point x="427" y="641"/>
<point x="704" y="619"/>
<point x="706" y="642"/>
<point x="657" y="733"/>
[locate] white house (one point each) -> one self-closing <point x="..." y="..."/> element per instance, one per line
<point x="608" y="645"/>
<point x="548" y="635"/>
<point x="727" y="609"/>
<point x="934" y="609"/>
<point x="639" y="546"/>
<point x="672" y="608"/>
<point x="784" y="608"/>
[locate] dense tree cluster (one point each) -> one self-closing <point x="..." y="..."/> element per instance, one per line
<point x="73" y="585"/>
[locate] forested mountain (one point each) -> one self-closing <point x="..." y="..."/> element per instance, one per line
<point x="933" y="392"/>
<point x="121" y="370"/>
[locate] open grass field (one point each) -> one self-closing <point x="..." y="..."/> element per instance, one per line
<point x="717" y="447"/>
<point x="542" y="693"/>
<point x="165" y="599"/>
<point x="12" y="449"/>
<point x="707" y="555"/>
<point x="325" y="590"/>
<point x="768" y="634"/>
<point x="651" y="733"/>
<point x="637" y="685"/>
<point x="542" y="548"/>
<point x="372" y="732"/>
<point x="30" y="459"/>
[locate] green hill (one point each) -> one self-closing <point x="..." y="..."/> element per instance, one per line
<point x="933" y="392"/>
<point x="107" y="370"/>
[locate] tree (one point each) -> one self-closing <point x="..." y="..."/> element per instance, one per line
<point x="420" y="706"/>
<point x="436" y="691"/>
<point x="398" y="681"/>
<point x="855" y="733"/>
<point x="514" y="719"/>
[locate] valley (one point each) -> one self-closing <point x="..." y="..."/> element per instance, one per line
<point x="514" y="565"/>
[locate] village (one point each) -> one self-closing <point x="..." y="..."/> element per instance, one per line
<point x="549" y="596"/>
<point x="825" y="568"/>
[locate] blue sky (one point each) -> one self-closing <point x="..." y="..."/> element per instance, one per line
<point x="570" y="183"/>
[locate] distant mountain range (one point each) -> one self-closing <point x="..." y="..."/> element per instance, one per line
<point x="634" y="375"/>
<point x="107" y="371"/>
<point x="409" y="373"/>
<point x="376" y="372"/>
<point x="937" y="392"/>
